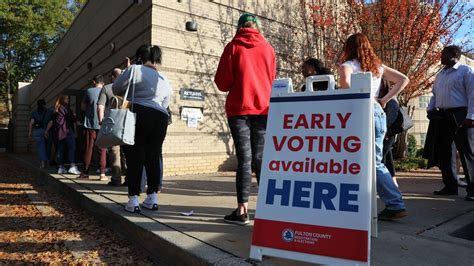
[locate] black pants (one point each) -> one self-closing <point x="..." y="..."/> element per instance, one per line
<point x="248" y="133"/>
<point x="150" y="132"/>
<point x="464" y="139"/>
<point x="387" y="158"/>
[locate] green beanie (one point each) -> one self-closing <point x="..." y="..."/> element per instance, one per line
<point x="247" y="17"/>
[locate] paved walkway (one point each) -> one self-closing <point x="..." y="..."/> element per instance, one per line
<point x="422" y="238"/>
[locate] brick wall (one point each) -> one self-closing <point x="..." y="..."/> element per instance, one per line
<point x="190" y="60"/>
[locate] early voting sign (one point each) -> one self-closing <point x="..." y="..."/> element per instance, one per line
<point x="315" y="193"/>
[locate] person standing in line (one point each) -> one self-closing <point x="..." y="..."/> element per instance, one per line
<point x="453" y="100"/>
<point x="63" y="130"/>
<point x="91" y="128"/>
<point x="246" y="71"/>
<point x="359" y="56"/>
<point x="105" y="101"/>
<point x="313" y="67"/>
<point x="38" y="123"/>
<point x="150" y="98"/>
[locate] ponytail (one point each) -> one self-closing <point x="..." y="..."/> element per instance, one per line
<point x="149" y="53"/>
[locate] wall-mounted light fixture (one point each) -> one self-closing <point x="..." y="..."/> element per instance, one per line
<point x="112" y="47"/>
<point x="191" y="26"/>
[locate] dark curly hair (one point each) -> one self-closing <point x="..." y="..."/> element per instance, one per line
<point x="318" y="66"/>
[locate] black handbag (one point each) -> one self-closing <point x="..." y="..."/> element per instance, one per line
<point x="398" y="119"/>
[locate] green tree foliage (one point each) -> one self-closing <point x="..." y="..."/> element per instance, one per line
<point x="29" y="31"/>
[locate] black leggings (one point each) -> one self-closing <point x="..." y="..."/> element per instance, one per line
<point x="248" y="133"/>
<point x="150" y="132"/>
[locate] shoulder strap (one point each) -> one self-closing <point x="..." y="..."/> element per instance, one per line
<point x="131" y="82"/>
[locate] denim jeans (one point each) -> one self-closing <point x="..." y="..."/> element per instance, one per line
<point x="386" y="188"/>
<point x="70" y="142"/>
<point x="38" y="135"/>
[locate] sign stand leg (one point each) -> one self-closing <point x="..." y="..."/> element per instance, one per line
<point x="373" y="224"/>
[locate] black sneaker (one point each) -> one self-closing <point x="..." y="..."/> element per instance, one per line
<point x="114" y="183"/>
<point x="446" y="192"/>
<point x="469" y="198"/>
<point x="236" y="218"/>
<point x="390" y="215"/>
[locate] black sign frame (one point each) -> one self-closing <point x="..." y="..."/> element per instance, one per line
<point x="192" y="94"/>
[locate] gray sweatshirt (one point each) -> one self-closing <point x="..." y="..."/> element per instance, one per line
<point x="152" y="88"/>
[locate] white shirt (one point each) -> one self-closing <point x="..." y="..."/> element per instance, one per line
<point x="355" y="65"/>
<point x="454" y="87"/>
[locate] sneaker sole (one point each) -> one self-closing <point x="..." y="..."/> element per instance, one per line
<point x="73" y="173"/>
<point x="151" y="207"/>
<point x="394" y="217"/>
<point x="136" y="209"/>
<point x="236" y="222"/>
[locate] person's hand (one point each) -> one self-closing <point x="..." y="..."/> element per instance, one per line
<point x="127" y="61"/>
<point x="29" y="136"/>
<point x="468" y="123"/>
<point x="46" y="134"/>
<point x="382" y="102"/>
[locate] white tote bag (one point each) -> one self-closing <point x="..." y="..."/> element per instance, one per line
<point x="118" y="126"/>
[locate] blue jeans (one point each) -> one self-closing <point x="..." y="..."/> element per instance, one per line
<point x="38" y="135"/>
<point x="70" y="142"/>
<point x="386" y="188"/>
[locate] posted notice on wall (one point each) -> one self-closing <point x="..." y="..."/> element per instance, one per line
<point x="314" y="198"/>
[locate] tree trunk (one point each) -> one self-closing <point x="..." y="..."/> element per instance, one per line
<point x="401" y="146"/>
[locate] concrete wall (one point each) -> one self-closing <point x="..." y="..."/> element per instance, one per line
<point x="21" y="118"/>
<point x="101" y="36"/>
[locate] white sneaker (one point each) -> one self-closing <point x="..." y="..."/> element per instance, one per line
<point x="74" y="171"/>
<point x="151" y="202"/>
<point x="132" y="205"/>
<point x="103" y="177"/>
<point x="461" y="183"/>
<point x="61" y="170"/>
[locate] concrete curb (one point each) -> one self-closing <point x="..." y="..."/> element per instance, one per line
<point x="165" y="245"/>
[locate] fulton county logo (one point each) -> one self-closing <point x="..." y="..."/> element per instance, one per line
<point x="287" y="235"/>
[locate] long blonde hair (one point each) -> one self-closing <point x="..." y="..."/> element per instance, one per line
<point x="61" y="100"/>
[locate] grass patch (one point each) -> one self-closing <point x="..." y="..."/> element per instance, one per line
<point x="409" y="164"/>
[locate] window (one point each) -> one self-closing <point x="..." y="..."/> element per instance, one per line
<point x="424" y="101"/>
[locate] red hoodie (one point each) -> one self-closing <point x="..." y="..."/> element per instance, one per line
<point x="246" y="70"/>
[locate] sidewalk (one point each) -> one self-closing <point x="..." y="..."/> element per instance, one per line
<point x="422" y="238"/>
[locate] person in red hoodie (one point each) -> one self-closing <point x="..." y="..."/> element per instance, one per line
<point x="246" y="71"/>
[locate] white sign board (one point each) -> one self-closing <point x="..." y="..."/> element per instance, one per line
<point x="315" y="192"/>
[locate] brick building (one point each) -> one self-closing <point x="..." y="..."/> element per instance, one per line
<point x="107" y="31"/>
